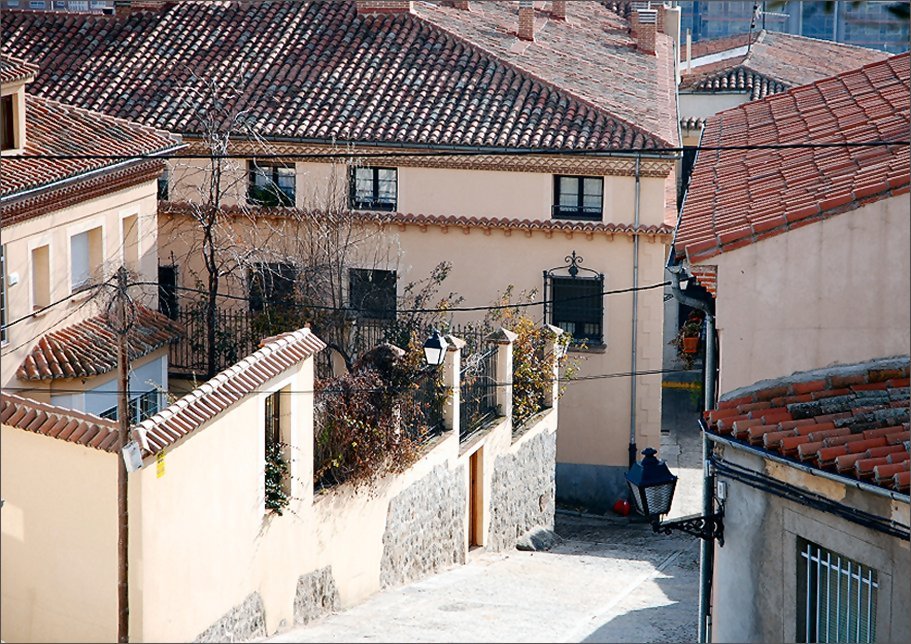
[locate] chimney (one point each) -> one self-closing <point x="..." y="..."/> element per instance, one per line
<point x="365" y="7"/>
<point x="526" y="20"/>
<point x="558" y="9"/>
<point x="647" y="32"/>
<point x="463" y="5"/>
<point x="635" y="8"/>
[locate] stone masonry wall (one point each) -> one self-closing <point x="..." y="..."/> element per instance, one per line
<point x="240" y="624"/>
<point x="425" y="527"/>
<point x="316" y="595"/>
<point x="522" y="491"/>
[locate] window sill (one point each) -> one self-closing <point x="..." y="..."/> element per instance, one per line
<point x="374" y="207"/>
<point x="578" y="216"/>
<point x="589" y="348"/>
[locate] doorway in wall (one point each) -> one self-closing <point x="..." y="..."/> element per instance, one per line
<point x="476" y="499"/>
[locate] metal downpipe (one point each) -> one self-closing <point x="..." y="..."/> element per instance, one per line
<point x="707" y="546"/>
<point x="635" y="329"/>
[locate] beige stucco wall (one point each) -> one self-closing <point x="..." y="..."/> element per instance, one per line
<point x="435" y="191"/>
<point x="59" y="540"/>
<point x="212" y="493"/>
<point x="703" y="105"/>
<point x="54" y="230"/>
<point x="835" y="291"/>
<point x="755" y="595"/>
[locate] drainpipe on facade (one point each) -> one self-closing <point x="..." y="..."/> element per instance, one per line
<point x="632" y="393"/>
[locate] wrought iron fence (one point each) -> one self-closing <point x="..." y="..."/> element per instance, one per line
<point x="422" y="409"/>
<point x="478" y="392"/>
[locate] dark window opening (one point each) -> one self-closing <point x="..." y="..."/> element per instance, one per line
<point x="164" y="187"/>
<point x="271" y="184"/>
<point x="374" y="188"/>
<point x="577" y="307"/>
<point x="273" y="420"/>
<point x="7" y="129"/>
<point x="167" y="291"/>
<point x="271" y="285"/>
<point x="578" y="197"/>
<point x="372" y="292"/>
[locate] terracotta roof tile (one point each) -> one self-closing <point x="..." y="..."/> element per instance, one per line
<point x="89" y="348"/>
<point x="735" y="191"/>
<point x="15" y="69"/>
<point x="56" y="422"/>
<point x="775" y="62"/>
<point x="276" y="355"/>
<point x="848" y="433"/>
<point x="319" y="71"/>
<point x="53" y="128"/>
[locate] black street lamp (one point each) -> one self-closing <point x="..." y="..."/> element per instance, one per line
<point x="435" y="349"/>
<point x="652" y="487"/>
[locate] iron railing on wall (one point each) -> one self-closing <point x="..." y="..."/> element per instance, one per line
<point x="478" y="392"/>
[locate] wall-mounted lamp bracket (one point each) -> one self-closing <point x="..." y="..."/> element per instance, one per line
<point x="708" y="528"/>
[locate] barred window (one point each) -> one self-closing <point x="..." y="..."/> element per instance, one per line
<point x="836" y="597"/>
<point x="577" y="307"/>
<point x="372" y="292"/>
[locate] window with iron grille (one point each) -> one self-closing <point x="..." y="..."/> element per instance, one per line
<point x="271" y="285"/>
<point x="836" y="597"/>
<point x="374" y="188"/>
<point x="578" y="197"/>
<point x="271" y="184"/>
<point x="372" y="292"/>
<point x="7" y="126"/>
<point x="577" y="307"/>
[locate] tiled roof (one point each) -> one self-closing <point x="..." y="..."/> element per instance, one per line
<point x="692" y="123"/>
<point x="456" y="221"/>
<point x="277" y="355"/>
<point x="53" y="128"/>
<point x="775" y="62"/>
<point x="718" y="46"/>
<point x="89" y="348"/>
<point x="14" y="69"/>
<point x="737" y="197"/>
<point x="64" y="424"/>
<point x="851" y="420"/>
<point x="318" y="71"/>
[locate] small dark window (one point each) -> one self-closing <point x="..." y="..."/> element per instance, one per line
<point x="578" y="307"/>
<point x="271" y="184"/>
<point x="164" y="187"/>
<point x="273" y="420"/>
<point x="578" y="197"/>
<point x="374" y="188"/>
<point x="372" y="293"/>
<point x="7" y="130"/>
<point x="271" y="285"/>
<point x="167" y="291"/>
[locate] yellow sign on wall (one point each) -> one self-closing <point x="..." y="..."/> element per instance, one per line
<point x="159" y="464"/>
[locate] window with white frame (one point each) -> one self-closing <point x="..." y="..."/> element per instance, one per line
<point x="85" y="258"/>
<point x="836" y="596"/>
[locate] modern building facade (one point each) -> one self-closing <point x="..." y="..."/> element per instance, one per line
<point x="865" y="24"/>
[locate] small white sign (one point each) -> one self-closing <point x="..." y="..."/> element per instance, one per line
<point x="132" y="457"/>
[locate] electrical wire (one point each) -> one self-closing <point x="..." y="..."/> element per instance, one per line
<point x="569" y="381"/>
<point x="467" y="152"/>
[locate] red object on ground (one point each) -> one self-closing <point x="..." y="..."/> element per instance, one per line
<point x="621" y="507"/>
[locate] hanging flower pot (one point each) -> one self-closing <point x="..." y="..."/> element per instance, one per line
<point x="690" y="345"/>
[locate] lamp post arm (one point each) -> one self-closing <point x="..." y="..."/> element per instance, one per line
<point x="705" y="527"/>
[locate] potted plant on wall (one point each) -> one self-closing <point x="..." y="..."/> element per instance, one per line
<point x="687" y="340"/>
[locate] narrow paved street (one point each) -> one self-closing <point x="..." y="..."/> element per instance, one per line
<point x="609" y="579"/>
